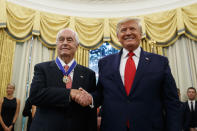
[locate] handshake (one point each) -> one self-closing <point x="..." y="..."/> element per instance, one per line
<point x="81" y="96"/>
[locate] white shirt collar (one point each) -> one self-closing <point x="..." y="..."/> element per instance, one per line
<point x="63" y="64"/>
<point x="193" y="101"/>
<point x="136" y="52"/>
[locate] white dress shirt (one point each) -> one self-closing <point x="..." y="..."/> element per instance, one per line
<point x="189" y="103"/>
<point x="124" y="58"/>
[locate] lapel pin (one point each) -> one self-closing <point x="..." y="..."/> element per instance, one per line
<point x="147" y="58"/>
<point x="81" y="76"/>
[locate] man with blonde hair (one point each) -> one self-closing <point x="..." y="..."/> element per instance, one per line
<point x="135" y="88"/>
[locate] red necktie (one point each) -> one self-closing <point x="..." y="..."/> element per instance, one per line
<point x="129" y="73"/>
<point x="69" y="83"/>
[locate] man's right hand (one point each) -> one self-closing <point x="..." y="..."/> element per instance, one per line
<point x="81" y="96"/>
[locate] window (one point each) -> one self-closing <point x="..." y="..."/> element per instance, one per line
<point x="94" y="56"/>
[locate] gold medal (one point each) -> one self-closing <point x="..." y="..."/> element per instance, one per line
<point x="66" y="79"/>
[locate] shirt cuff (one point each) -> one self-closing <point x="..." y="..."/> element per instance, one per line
<point x="92" y="105"/>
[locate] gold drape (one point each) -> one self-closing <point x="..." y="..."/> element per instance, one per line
<point x="162" y="27"/>
<point x="190" y="21"/>
<point x="19" y="22"/>
<point x="150" y="46"/>
<point x="82" y="56"/>
<point x="90" y="31"/>
<point x="7" y="48"/>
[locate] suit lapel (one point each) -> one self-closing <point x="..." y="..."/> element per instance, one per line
<point x="55" y="68"/>
<point x="78" y="76"/>
<point x="117" y="75"/>
<point x="141" y="69"/>
<point x="57" y="73"/>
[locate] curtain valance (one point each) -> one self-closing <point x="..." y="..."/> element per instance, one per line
<point x="163" y="27"/>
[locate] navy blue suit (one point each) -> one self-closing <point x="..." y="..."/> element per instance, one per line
<point x="55" y="111"/>
<point x="152" y="104"/>
<point x="185" y="115"/>
<point x="28" y="113"/>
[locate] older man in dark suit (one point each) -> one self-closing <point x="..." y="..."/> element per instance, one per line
<point x="54" y="87"/>
<point x="135" y="88"/>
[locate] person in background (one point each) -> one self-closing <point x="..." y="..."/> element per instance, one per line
<point x="9" y="109"/>
<point x="135" y="88"/>
<point x="55" y="85"/>
<point x="191" y="108"/>
<point x="29" y="111"/>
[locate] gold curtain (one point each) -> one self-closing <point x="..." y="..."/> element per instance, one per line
<point x="82" y="56"/>
<point x="150" y="46"/>
<point x="190" y="21"/>
<point x="90" y="31"/>
<point x="7" y="48"/>
<point x="163" y="27"/>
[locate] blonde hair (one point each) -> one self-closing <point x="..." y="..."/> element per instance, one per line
<point x="137" y="20"/>
<point x="11" y="84"/>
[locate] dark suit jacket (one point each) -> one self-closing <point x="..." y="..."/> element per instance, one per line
<point x="28" y="113"/>
<point x="55" y="111"/>
<point x="194" y="115"/>
<point x="152" y="104"/>
<point x="185" y="117"/>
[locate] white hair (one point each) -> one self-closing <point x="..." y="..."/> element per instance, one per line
<point x="75" y="34"/>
